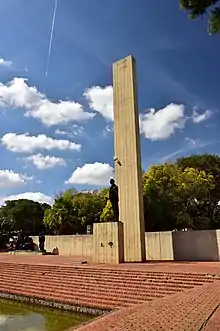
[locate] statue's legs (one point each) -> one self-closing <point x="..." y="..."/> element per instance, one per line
<point x="115" y="209"/>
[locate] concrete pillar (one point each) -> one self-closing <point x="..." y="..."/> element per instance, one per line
<point x="108" y="242"/>
<point x="128" y="164"/>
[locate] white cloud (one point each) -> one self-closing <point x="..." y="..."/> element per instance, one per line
<point x="192" y="145"/>
<point x="10" y="179"/>
<point x="155" y="125"/>
<point x="63" y="112"/>
<point x="191" y="142"/>
<point x="18" y="94"/>
<point x="161" y="124"/>
<point x="107" y="130"/>
<point x="198" y="118"/>
<point x="75" y="130"/>
<point x="101" y="100"/>
<point x="91" y="174"/>
<point x="35" y="196"/>
<point x="45" y="162"/>
<point x="24" y="143"/>
<point x="5" y="63"/>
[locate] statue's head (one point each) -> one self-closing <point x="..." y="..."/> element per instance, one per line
<point x="112" y="181"/>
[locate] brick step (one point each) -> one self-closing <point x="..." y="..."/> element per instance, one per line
<point x="66" y="299"/>
<point x="55" y="293"/>
<point x="80" y="295"/>
<point x="100" y="282"/>
<point x="88" y="288"/>
<point x="151" y="279"/>
<point x="93" y="270"/>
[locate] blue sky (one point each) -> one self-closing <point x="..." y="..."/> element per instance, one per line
<point x="56" y="129"/>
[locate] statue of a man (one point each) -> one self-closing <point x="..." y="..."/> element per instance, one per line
<point x="113" y="197"/>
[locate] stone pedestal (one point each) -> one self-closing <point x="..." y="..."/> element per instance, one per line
<point x="108" y="242"/>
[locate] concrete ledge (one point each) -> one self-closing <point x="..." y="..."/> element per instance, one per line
<point x="53" y="304"/>
<point x="26" y="253"/>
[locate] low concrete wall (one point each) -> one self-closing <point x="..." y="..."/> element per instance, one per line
<point x="179" y="245"/>
<point x="159" y="245"/>
<point x="74" y="245"/>
<point x="196" y="245"/>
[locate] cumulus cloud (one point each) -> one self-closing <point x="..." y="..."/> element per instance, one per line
<point x="10" y="179"/>
<point x="161" y="124"/>
<point x="45" y="162"/>
<point x="91" y="174"/>
<point x="24" y="143"/>
<point x="101" y="100"/>
<point x="18" y="94"/>
<point x="35" y="196"/>
<point x="5" y="63"/>
<point x="201" y="117"/>
<point x="154" y="125"/>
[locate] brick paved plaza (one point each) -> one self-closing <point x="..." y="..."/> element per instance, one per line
<point x="153" y="296"/>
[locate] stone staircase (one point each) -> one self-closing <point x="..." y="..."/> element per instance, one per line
<point x="100" y="288"/>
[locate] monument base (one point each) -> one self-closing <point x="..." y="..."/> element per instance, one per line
<point x="108" y="242"/>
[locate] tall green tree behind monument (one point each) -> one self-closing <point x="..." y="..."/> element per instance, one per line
<point x="173" y="197"/>
<point x="197" y="8"/>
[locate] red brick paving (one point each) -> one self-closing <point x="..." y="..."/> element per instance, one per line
<point x="106" y="288"/>
<point x="153" y="266"/>
<point x="213" y="324"/>
<point x="186" y="311"/>
<point x="183" y="311"/>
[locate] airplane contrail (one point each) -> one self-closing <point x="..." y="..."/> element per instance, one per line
<point x="51" y="36"/>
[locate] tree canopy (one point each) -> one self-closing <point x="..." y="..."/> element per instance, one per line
<point x="184" y="194"/>
<point x="197" y="8"/>
<point x="22" y="215"/>
<point x="209" y="163"/>
<point x="172" y="195"/>
<point x="73" y="211"/>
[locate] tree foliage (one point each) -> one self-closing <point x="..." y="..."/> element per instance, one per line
<point x="73" y="211"/>
<point x="22" y="215"/>
<point x="197" y="8"/>
<point x="180" y="195"/>
<point x="210" y="164"/>
<point x="107" y="213"/>
<point x="172" y="194"/>
<point x="61" y="218"/>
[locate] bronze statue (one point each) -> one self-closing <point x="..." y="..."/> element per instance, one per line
<point x="113" y="197"/>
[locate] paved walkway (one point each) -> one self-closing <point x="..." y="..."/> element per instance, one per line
<point x="194" y="310"/>
<point x="186" y="311"/>
<point x="152" y="266"/>
<point x="213" y="324"/>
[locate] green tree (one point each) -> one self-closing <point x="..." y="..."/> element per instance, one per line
<point x="172" y="196"/>
<point x="22" y="215"/>
<point x="107" y="213"/>
<point x="211" y="164"/>
<point x="197" y="8"/>
<point x="72" y="211"/>
<point x="62" y="217"/>
<point x="89" y="207"/>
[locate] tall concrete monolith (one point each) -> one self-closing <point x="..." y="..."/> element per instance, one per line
<point x="127" y="158"/>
